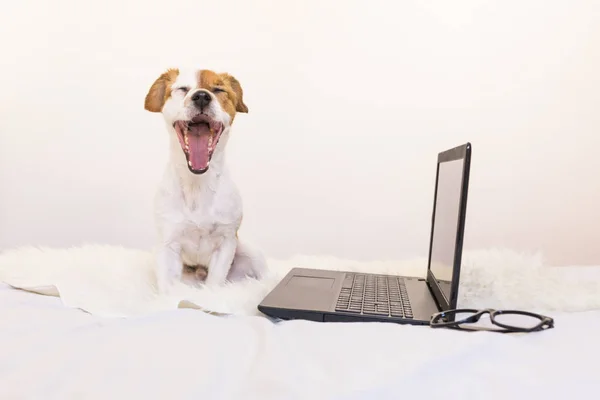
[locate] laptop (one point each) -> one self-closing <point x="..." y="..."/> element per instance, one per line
<point x="345" y="296"/>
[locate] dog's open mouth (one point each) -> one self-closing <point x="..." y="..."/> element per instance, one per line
<point x="198" y="138"/>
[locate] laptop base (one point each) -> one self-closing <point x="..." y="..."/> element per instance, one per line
<point x="343" y="296"/>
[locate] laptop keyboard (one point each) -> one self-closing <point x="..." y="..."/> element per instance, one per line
<point x="374" y="295"/>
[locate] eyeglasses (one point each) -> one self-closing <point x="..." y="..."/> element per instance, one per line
<point x="506" y="321"/>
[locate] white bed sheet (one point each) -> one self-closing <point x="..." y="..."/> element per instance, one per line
<point x="49" y="351"/>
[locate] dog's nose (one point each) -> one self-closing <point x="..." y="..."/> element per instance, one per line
<point x="201" y="99"/>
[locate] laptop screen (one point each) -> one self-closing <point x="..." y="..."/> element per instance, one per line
<point x="446" y="222"/>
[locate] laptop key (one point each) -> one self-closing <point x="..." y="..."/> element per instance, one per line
<point x="347" y="284"/>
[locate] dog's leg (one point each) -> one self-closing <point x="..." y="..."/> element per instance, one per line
<point x="248" y="263"/>
<point x="169" y="266"/>
<point x="221" y="261"/>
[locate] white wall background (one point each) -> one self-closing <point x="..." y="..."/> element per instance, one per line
<point x="350" y="101"/>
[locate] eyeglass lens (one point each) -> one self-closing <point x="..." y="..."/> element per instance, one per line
<point x="515" y="320"/>
<point x="462" y="317"/>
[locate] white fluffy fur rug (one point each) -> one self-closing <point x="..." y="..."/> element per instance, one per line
<point x="117" y="282"/>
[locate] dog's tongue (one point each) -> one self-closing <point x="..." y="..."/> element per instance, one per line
<point x="198" y="144"/>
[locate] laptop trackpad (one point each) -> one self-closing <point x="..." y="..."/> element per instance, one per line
<point x="306" y="289"/>
<point x="310" y="282"/>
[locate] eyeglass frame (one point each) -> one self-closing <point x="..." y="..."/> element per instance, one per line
<point x="545" y="322"/>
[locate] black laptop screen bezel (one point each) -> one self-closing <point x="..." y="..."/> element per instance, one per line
<point x="458" y="153"/>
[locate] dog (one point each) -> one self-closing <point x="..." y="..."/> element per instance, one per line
<point x="198" y="208"/>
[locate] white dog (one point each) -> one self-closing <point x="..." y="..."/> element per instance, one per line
<point x="198" y="208"/>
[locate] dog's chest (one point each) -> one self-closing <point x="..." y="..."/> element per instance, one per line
<point x="206" y="221"/>
<point x="199" y="239"/>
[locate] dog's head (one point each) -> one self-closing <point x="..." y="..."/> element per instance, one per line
<point x="199" y="106"/>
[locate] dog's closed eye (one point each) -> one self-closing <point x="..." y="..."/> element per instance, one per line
<point x="183" y="89"/>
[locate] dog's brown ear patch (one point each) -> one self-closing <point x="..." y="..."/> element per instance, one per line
<point x="239" y="93"/>
<point x="160" y="91"/>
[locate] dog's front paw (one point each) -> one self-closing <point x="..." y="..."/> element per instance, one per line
<point x="215" y="279"/>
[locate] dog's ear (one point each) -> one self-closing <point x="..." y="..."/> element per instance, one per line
<point x="160" y="91"/>
<point x="239" y="93"/>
